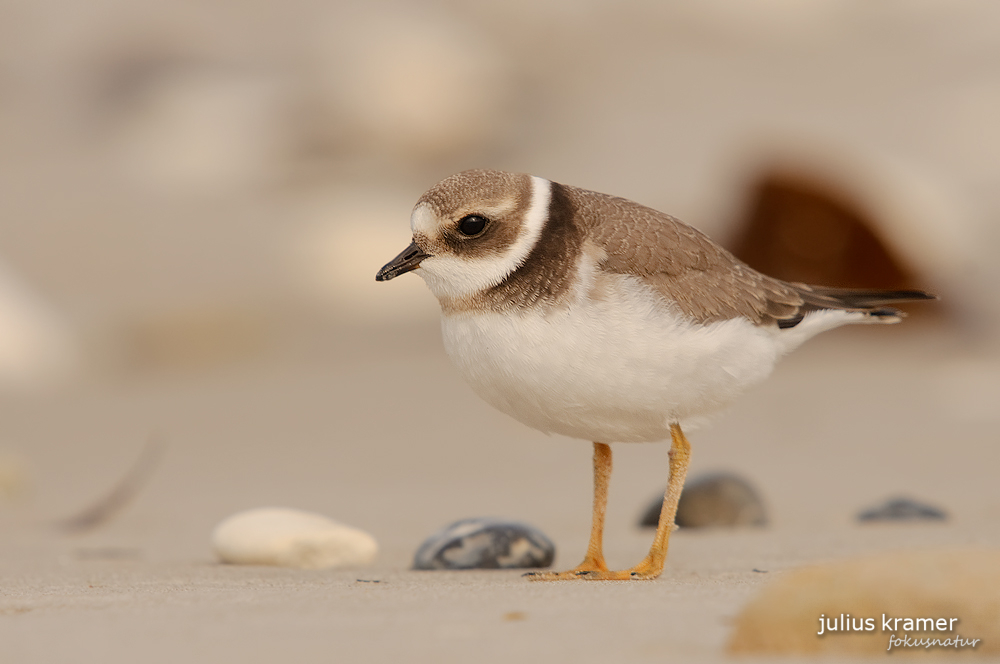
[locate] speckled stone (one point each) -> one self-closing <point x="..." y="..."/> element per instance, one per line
<point x="719" y="499"/>
<point x="485" y="543"/>
<point x="902" y="509"/>
<point x="291" y="538"/>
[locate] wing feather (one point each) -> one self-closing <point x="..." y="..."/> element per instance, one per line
<point x="703" y="280"/>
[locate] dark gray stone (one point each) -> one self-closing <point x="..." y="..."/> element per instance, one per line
<point x="719" y="499"/>
<point x="485" y="543"/>
<point x="902" y="509"/>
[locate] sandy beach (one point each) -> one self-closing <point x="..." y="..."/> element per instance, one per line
<point x="384" y="436"/>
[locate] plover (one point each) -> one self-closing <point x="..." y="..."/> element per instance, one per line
<point x="592" y="316"/>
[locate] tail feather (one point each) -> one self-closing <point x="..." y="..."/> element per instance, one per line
<point x="868" y="301"/>
<point x="823" y="297"/>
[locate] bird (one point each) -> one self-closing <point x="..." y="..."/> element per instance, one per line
<point x="592" y="316"/>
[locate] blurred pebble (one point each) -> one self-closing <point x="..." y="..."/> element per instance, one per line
<point x="290" y="538"/>
<point x="199" y="127"/>
<point x="13" y="476"/>
<point x="37" y="348"/>
<point x="713" y="500"/>
<point x="485" y="544"/>
<point x="784" y="617"/>
<point x="415" y="83"/>
<point x="902" y="509"/>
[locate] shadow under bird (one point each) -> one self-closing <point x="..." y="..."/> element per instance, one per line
<point x="594" y="317"/>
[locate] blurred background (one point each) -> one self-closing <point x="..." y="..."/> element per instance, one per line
<point x="195" y="197"/>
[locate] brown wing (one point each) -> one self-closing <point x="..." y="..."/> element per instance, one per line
<point x="706" y="282"/>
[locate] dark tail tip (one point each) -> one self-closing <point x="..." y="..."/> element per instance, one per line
<point x="888" y="312"/>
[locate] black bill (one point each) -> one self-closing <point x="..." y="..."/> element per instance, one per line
<point x="408" y="260"/>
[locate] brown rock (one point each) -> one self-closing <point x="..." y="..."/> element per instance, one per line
<point x="717" y="499"/>
<point x="784" y="617"/>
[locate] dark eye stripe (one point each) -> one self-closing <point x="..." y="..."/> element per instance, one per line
<point x="471" y="225"/>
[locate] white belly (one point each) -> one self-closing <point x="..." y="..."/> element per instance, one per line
<point x="617" y="369"/>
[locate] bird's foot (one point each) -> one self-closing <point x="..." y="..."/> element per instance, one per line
<point x="590" y="565"/>
<point x="570" y="575"/>
<point x="645" y="571"/>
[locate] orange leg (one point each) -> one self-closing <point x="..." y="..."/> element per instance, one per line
<point x="593" y="566"/>
<point x="594" y="560"/>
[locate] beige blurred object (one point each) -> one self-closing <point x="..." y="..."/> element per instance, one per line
<point x="194" y="338"/>
<point x="784" y="618"/>
<point x="14" y="476"/>
<point x="764" y="20"/>
<point x="417" y="84"/>
<point x="342" y="243"/>
<point x="186" y="128"/>
<point x="36" y="347"/>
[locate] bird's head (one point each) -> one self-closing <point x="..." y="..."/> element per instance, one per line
<point x="471" y="230"/>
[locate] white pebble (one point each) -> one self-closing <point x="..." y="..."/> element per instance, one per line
<point x="291" y="538"/>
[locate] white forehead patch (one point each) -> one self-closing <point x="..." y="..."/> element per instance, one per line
<point x="422" y="220"/>
<point x="453" y="276"/>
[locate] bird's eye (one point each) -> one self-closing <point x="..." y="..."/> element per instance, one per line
<point x="472" y="224"/>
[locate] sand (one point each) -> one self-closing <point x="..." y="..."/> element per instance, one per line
<point x="382" y="434"/>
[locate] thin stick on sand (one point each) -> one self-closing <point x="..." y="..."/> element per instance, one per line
<point x="121" y="495"/>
